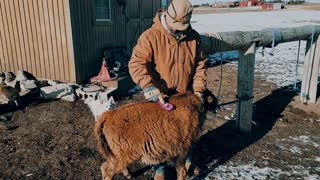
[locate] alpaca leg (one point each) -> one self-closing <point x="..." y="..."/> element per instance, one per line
<point x="106" y="171"/>
<point x="179" y="163"/>
<point x="112" y="167"/>
<point x="191" y="168"/>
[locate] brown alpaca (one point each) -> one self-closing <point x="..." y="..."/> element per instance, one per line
<point x="146" y="132"/>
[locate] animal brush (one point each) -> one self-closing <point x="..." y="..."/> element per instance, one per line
<point x="165" y="105"/>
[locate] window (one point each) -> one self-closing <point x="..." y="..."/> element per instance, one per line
<point x="103" y="10"/>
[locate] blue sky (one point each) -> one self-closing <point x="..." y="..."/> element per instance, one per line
<point x="212" y="1"/>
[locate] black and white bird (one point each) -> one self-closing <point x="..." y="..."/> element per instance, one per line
<point x="11" y="93"/>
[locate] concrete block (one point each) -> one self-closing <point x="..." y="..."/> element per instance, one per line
<point x="122" y="84"/>
<point x="28" y="85"/>
<point x="60" y="91"/>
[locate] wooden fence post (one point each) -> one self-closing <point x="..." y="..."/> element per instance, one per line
<point x="311" y="72"/>
<point x="245" y="88"/>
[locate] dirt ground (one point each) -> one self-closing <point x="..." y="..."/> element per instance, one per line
<point x="54" y="140"/>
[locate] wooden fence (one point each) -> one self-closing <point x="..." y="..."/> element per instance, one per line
<point x="247" y="42"/>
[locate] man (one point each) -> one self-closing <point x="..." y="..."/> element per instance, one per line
<point x="168" y="58"/>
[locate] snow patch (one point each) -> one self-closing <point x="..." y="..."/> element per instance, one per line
<point x="305" y="140"/>
<point x="250" y="172"/>
<point x="279" y="68"/>
<point x="295" y="150"/>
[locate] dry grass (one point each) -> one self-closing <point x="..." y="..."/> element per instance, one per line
<point x="208" y="10"/>
<point x="311" y="6"/>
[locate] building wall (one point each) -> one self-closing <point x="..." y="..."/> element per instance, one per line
<point x="267" y="6"/>
<point x="91" y="38"/>
<point x="243" y="3"/>
<point x="60" y="39"/>
<point x="35" y="36"/>
<point x="277" y="6"/>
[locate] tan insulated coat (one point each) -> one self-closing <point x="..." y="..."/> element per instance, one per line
<point x="159" y="59"/>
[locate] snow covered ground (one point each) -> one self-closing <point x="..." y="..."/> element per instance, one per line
<point x="251" y="172"/>
<point x="280" y="68"/>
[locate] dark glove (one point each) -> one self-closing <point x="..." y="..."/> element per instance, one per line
<point x="151" y="93"/>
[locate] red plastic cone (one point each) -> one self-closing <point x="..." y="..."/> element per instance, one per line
<point x="103" y="75"/>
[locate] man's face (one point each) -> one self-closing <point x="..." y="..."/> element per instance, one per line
<point x="176" y="31"/>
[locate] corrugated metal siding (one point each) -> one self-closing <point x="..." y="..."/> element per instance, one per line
<point x="35" y="37"/>
<point x="91" y="38"/>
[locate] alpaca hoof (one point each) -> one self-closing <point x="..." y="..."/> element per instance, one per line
<point x="192" y="169"/>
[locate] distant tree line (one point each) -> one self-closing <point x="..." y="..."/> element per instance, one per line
<point x="296" y="1"/>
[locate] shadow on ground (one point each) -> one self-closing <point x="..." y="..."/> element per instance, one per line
<point x="219" y="145"/>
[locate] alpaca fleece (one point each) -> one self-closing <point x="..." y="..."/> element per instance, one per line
<point x="146" y="132"/>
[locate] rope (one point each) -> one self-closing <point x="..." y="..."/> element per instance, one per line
<point x="218" y="46"/>
<point x="221" y="72"/>
<point x="296" y="75"/>
<point x="239" y="99"/>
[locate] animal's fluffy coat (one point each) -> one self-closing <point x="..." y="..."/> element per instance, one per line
<point x="146" y="132"/>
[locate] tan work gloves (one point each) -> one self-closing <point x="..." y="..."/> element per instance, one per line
<point x="151" y="93"/>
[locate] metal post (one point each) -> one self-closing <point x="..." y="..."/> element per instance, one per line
<point x="245" y="88"/>
<point x="311" y="71"/>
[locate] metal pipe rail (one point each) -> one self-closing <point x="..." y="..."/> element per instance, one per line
<point x="240" y="40"/>
<point x="247" y="42"/>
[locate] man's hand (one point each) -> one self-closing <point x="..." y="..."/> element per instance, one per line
<point x="151" y="93"/>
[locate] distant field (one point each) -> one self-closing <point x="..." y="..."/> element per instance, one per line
<point x="209" y="10"/>
<point x="312" y="6"/>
